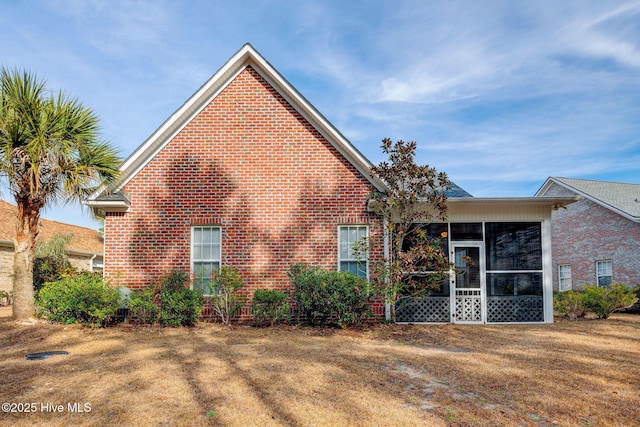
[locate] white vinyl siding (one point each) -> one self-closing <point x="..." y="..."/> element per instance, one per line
<point x="564" y="277"/>
<point x="205" y="256"/>
<point x="348" y="259"/>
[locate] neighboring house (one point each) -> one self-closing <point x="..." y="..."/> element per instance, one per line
<point x="596" y="240"/>
<point x="85" y="250"/>
<point x="248" y="174"/>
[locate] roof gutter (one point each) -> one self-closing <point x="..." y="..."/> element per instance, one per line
<point x="10" y="244"/>
<point x="555" y="202"/>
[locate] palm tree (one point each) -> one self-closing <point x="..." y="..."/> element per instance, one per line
<point x="49" y="152"/>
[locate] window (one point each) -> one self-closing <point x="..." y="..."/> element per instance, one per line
<point x="604" y="272"/>
<point x="564" y="277"/>
<point x="205" y="256"/>
<point x="349" y="259"/>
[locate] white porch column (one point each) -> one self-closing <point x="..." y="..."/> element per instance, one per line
<point x="547" y="271"/>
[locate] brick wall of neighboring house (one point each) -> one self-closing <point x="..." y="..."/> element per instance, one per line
<point x="252" y="165"/>
<point x="586" y="232"/>
<point x="6" y="268"/>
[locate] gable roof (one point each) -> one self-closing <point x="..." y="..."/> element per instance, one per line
<point x="246" y="56"/>
<point x="85" y="241"/>
<point x="457" y="191"/>
<point x="619" y="197"/>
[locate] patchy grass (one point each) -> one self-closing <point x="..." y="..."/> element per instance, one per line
<point x="570" y="373"/>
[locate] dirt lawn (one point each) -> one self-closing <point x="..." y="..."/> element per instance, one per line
<point x="583" y="373"/>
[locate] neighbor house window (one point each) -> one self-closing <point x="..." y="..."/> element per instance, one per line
<point x="353" y="255"/>
<point x="604" y="272"/>
<point x="205" y="256"/>
<point x="564" y="277"/>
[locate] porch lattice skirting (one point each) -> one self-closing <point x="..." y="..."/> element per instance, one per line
<point x="423" y="310"/>
<point x="515" y="309"/>
<point x="503" y="309"/>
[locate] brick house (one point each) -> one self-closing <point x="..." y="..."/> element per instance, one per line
<point x="248" y="174"/>
<point x="84" y="251"/>
<point x="597" y="239"/>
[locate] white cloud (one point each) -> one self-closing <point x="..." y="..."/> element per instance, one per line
<point x="117" y="27"/>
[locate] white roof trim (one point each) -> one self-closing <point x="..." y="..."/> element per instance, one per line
<point x="10" y="244"/>
<point x="101" y="207"/>
<point x="247" y="55"/>
<point x="555" y="202"/>
<point x="551" y="180"/>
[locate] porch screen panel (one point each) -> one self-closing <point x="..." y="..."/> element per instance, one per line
<point x="514" y="246"/>
<point x="432" y="305"/>
<point x="513" y="284"/>
<point x="426" y="278"/>
<point x="514" y="272"/>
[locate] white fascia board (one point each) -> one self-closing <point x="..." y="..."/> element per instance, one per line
<point x="107" y="205"/>
<point x="86" y="254"/>
<point x="247" y="55"/>
<point x="584" y="195"/>
<point x="10" y="244"/>
<point x="555" y="202"/>
<point x="179" y="119"/>
<point x="319" y="122"/>
<point x="542" y="190"/>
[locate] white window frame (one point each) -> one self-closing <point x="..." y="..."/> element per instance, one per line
<point x="600" y="272"/>
<point x="350" y="257"/>
<point x="215" y="261"/>
<point x="564" y="278"/>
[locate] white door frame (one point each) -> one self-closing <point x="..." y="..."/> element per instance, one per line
<point x="468" y="296"/>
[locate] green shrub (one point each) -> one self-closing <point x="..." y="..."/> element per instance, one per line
<point x="50" y="262"/>
<point x="84" y="298"/>
<point x="143" y="306"/>
<point x="179" y="305"/>
<point x="270" y="305"/>
<point x="49" y="269"/>
<point x="602" y="301"/>
<point x="635" y="308"/>
<point x="309" y="293"/>
<point x="223" y="290"/>
<point x="570" y="304"/>
<point x="322" y="296"/>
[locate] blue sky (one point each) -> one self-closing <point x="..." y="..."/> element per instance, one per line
<point x="498" y="94"/>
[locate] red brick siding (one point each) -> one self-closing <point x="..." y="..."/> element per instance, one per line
<point x="586" y="232"/>
<point x="252" y="165"/>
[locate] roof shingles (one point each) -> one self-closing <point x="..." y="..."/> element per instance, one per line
<point x="623" y="197"/>
<point x="83" y="240"/>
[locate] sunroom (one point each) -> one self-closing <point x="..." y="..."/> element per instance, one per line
<point x="501" y="249"/>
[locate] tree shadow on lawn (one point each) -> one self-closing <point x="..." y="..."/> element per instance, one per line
<point x="217" y="375"/>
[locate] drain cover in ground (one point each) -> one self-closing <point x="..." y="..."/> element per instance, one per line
<point x="44" y="354"/>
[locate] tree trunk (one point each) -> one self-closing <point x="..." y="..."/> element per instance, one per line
<point x="24" y="247"/>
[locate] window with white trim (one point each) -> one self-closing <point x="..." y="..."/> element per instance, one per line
<point x="604" y="272"/>
<point x="205" y="256"/>
<point x="564" y="277"/>
<point x="351" y="238"/>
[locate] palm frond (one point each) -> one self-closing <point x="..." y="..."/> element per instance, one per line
<point x="49" y="144"/>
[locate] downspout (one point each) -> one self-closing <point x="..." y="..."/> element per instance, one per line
<point x="91" y="262"/>
<point x="385" y="255"/>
